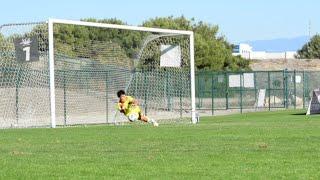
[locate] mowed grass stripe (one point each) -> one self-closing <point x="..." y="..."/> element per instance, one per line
<point x="264" y="145"/>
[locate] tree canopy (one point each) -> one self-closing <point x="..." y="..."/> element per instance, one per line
<point x="310" y="50"/>
<point x="212" y="52"/>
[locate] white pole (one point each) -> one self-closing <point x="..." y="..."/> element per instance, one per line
<point x="193" y="86"/>
<point x="51" y="77"/>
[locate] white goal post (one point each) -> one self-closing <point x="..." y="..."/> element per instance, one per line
<point x="52" y="83"/>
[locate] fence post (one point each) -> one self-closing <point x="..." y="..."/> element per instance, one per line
<point x="86" y="72"/>
<point x="285" y="77"/>
<point x="284" y="91"/>
<point x="255" y="86"/>
<point x="269" y="90"/>
<point x="145" y="92"/>
<point x="106" y="89"/>
<point x="180" y="97"/>
<point x="17" y="95"/>
<point x="294" y="89"/>
<point x="227" y="90"/>
<point x="167" y="90"/>
<point x="197" y="88"/>
<point x="303" y="95"/>
<point x="212" y="93"/>
<point x="241" y="84"/>
<point x="64" y="98"/>
<point x="200" y="89"/>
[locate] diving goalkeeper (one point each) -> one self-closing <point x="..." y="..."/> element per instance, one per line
<point x="129" y="107"/>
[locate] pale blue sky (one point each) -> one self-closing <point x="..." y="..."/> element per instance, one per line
<point x="239" y="20"/>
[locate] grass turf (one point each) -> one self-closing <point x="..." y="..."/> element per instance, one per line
<point x="264" y="145"/>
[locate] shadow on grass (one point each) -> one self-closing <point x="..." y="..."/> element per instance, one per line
<point x="297" y="114"/>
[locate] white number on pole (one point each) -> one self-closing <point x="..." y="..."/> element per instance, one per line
<point x="27" y="50"/>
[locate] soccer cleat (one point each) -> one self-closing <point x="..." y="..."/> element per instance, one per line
<point x="155" y="124"/>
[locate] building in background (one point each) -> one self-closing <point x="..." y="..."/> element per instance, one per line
<point x="245" y="51"/>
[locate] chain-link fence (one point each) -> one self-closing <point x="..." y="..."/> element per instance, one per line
<point x="256" y="90"/>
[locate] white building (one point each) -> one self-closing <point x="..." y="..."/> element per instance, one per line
<point x="245" y="51"/>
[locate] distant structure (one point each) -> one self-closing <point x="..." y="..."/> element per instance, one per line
<point x="245" y="51"/>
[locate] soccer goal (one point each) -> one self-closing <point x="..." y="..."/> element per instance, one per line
<point x="63" y="72"/>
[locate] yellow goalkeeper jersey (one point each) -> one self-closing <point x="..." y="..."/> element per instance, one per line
<point x="129" y="107"/>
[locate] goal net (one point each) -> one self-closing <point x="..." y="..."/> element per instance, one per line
<point x="68" y="72"/>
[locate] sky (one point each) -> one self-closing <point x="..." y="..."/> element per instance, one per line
<point x="238" y="20"/>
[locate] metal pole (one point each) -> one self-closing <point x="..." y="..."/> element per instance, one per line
<point x="269" y="89"/>
<point x="64" y="97"/>
<point x="255" y="86"/>
<point x="286" y="88"/>
<point x="167" y="90"/>
<point x="227" y="90"/>
<point x="106" y="89"/>
<point x="212" y="94"/>
<point x="201" y="94"/>
<point x="181" y="101"/>
<point x="241" y="84"/>
<point x="145" y="92"/>
<point x="17" y="95"/>
<point x="295" y="89"/>
<point x="198" y="85"/>
<point x="303" y="90"/>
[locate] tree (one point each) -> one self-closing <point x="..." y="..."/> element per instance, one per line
<point x="310" y="50"/>
<point x="5" y="45"/>
<point x="70" y="36"/>
<point x="212" y="52"/>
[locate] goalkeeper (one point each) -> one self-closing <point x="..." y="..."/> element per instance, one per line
<point x="129" y="107"/>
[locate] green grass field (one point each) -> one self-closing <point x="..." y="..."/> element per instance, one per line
<point x="265" y="145"/>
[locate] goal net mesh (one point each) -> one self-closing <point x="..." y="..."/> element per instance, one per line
<point x="91" y="64"/>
